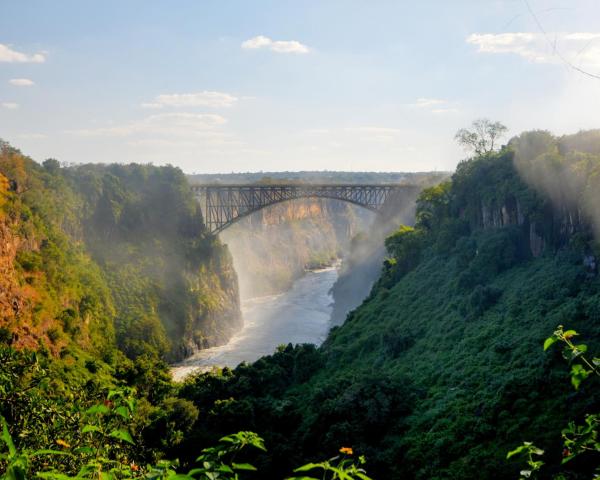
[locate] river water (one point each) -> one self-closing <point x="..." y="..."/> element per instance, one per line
<point x="300" y="315"/>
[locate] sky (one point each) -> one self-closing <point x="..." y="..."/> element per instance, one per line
<point x="245" y="85"/>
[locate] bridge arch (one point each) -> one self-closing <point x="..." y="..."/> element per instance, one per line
<point x="224" y="205"/>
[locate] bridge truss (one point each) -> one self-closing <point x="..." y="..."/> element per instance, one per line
<point x="223" y="205"/>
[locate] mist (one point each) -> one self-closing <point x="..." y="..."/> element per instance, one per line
<point x="274" y="247"/>
<point x="566" y="170"/>
<point x="361" y="268"/>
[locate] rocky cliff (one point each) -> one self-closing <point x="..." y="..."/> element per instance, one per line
<point x="274" y="246"/>
<point x="105" y="256"/>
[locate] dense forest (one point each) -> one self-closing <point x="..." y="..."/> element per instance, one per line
<point x="441" y="371"/>
<point x="116" y="253"/>
<point x="438" y="374"/>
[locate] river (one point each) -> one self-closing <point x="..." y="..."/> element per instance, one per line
<point x="300" y="315"/>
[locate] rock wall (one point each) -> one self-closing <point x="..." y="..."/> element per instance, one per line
<point x="274" y="246"/>
<point x="109" y="256"/>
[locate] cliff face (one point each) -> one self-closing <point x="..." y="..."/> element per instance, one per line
<point x="544" y="222"/>
<point x="216" y="316"/>
<point x="12" y="296"/>
<point x="546" y="185"/>
<point x="274" y="246"/>
<point x="109" y="256"/>
<point x="51" y="293"/>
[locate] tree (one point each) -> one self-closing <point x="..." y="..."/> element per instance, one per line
<point x="482" y="137"/>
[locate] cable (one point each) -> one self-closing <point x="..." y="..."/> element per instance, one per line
<point x="554" y="48"/>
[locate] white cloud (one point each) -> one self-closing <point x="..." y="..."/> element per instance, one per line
<point x="9" y="55"/>
<point x="21" y="82"/>
<point x="427" y="102"/>
<point x="375" y="130"/>
<point x="443" y="111"/>
<point x="33" y="136"/>
<point x="375" y="134"/>
<point x="198" y="99"/>
<point x="10" y="105"/>
<point x="437" y="106"/>
<point x="164" y="124"/>
<point x="279" y="46"/>
<point x="577" y="48"/>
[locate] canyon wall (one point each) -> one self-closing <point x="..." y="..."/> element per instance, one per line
<point x="274" y="246"/>
<point x="107" y="257"/>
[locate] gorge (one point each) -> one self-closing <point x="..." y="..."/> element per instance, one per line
<point x="438" y="372"/>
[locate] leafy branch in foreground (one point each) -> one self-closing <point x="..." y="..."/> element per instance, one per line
<point x="577" y="439"/>
<point x="106" y="454"/>
<point x="528" y="449"/>
<point x="572" y="352"/>
<point x="342" y="468"/>
<point x="17" y="462"/>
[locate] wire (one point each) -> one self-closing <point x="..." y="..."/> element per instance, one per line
<point x="553" y="46"/>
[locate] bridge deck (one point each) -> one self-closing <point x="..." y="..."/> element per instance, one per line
<point x="223" y="205"/>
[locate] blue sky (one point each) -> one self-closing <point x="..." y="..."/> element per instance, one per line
<point x="243" y="85"/>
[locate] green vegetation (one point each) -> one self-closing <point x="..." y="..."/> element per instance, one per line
<point x="105" y="449"/>
<point x="578" y="440"/>
<point x="105" y="272"/>
<point x="122" y="250"/>
<point x="438" y="374"/>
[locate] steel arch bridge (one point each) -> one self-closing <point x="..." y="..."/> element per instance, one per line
<point x="224" y="205"/>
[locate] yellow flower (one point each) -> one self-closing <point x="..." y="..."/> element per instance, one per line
<point x="346" y="450"/>
<point x="62" y="443"/>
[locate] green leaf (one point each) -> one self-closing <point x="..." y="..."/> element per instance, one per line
<point x="98" y="409"/>
<point x="362" y="476"/>
<point x="578" y="375"/>
<point x="122" y="411"/>
<point x="112" y="393"/>
<point x="308" y="466"/>
<point x="90" y="428"/>
<point x="49" y="452"/>
<point x="122" y="435"/>
<point x="195" y="471"/>
<point x="243" y="466"/>
<point x="567" y="459"/>
<point x="7" y="438"/>
<point x="301" y="478"/>
<point x="85" y="450"/>
<point x="57" y="476"/>
<point x="549" y="342"/>
<point x="516" y="451"/>
<point x="224" y="469"/>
